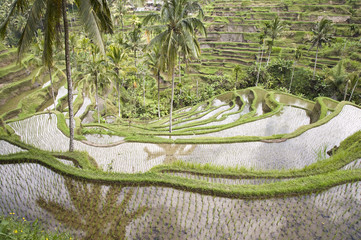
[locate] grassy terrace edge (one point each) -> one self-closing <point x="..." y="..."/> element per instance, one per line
<point x="319" y="176"/>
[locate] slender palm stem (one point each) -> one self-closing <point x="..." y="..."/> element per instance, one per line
<point x="353" y="89"/>
<point x="171" y="103"/>
<point x="52" y="87"/>
<point x="158" y="94"/>
<point x="68" y="76"/>
<point x="314" y="68"/>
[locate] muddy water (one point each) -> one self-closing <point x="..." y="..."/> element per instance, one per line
<point x="287" y="121"/>
<point x="140" y="157"/>
<point x="293" y="101"/>
<point x="103" y="139"/>
<point x="94" y="211"/>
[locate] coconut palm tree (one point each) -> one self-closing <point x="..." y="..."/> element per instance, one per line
<point x="156" y="65"/>
<point x="237" y="69"/>
<point x="297" y="56"/>
<point x="94" y="74"/>
<point x="180" y="21"/>
<point x="94" y="14"/>
<point x="322" y="34"/>
<point x="354" y="78"/>
<point x="117" y="55"/>
<point x="275" y="29"/>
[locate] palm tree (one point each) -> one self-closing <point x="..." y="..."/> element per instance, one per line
<point x="237" y="69"/>
<point x="297" y="56"/>
<point x="179" y="27"/>
<point x="354" y="78"/>
<point x="94" y="75"/>
<point x="156" y="64"/>
<point x="94" y="14"/>
<point x="262" y="43"/>
<point x="321" y="35"/>
<point x="117" y="55"/>
<point x="275" y="28"/>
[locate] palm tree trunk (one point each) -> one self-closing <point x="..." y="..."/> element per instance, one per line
<point x="52" y="87"/>
<point x="118" y="98"/>
<point x="96" y="95"/>
<point x="260" y="63"/>
<point x="171" y="103"/>
<point x="293" y="73"/>
<point x="197" y="88"/>
<point x="314" y="68"/>
<point x="143" y="90"/>
<point x="180" y="75"/>
<point x="68" y="76"/>
<point x="345" y="94"/>
<point x="158" y="94"/>
<point x="235" y="83"/>
<point x="269" y="56"/>
<point x="353" y="89"/>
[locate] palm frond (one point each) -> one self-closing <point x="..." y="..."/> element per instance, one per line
<point x="18" y="6"/>
<point x="30" y="27"/>
<point x="89" y="18"/>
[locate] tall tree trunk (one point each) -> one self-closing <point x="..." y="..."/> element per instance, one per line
<point x="171" y="103"/>
<point x="68" y="76"/>
<point x="158" y="94"/>
<point x="293" y="73"/>
<point x="314" y="68"/>
<point x="345" y="94"/>
<point x="96" y="95"/>
<point x="52" y="87"/>
<point x="235" y="83"/>
<point x="353" y="89"/>
<point x="197" y="88"/>
<point x="180" y="74"/>
<point x="143" y="89"/>
<point x="118" y="86"/>
<point x="269" y="56"/>
<point x="260" y="63"/>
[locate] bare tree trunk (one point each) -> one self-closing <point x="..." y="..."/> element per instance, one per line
<point x="96" y="95"/>
<point x="68" y="76"/>
<point x="269" y="56"/>
<point x="314" y="68"/>
<point x="345" y="94"/>
<point x="52" y="87"/>
<point x="235" y="83"/>
<point x="180" y="75"/>
<point x="353" y="89"/>
<point x="171" y="104"/>
<point x="197" y="88"/>
<point x="260" y="63"/>
<point x="158" y="94"/>
<point x="293" y="73"/>
<point x="143" y="90"/>
<point x="118" y="98"/>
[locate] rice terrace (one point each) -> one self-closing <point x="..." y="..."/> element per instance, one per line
<point x="180" y="119"/>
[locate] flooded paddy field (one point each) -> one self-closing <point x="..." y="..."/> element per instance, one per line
<point x="100" y="211"/>
<point x="129" y="157"/>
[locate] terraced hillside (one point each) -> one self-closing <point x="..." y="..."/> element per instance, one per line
<point x="235" y="164"/>
<point x="234" y="28"/>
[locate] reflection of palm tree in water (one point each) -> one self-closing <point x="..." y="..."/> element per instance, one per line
<point x="98" y="218"/>
<point x="170" y="151"/>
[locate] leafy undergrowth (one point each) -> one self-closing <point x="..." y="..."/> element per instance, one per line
<point x="13" y="227"/>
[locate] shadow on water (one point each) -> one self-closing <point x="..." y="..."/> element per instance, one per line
<point x="170" y="151"/>
<point x="94" y="215"/>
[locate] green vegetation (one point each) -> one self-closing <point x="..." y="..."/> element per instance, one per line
<point x="180" y="125"/>
<point x="13" y="227"/>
